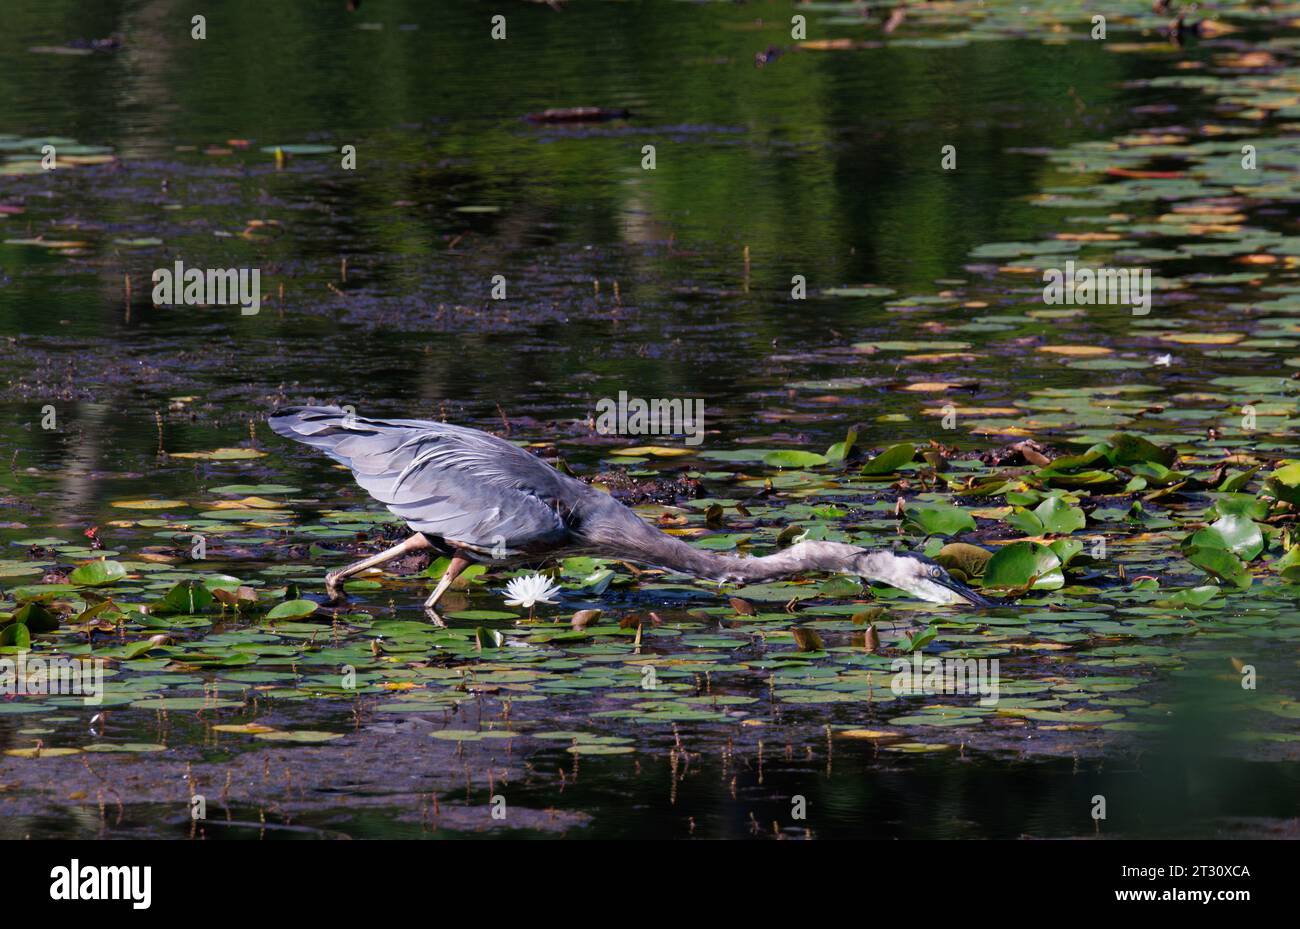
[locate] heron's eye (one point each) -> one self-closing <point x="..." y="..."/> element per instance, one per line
<point x="936" y="571"/>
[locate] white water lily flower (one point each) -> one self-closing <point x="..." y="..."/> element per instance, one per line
<point x="531" y="590"/>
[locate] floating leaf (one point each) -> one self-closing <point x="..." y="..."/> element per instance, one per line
<point x="598" y="748"/>
<point x="1221" y="563"/>
<point x="185" y="597"/>
<point x="36" y="618"/>
<point x="1238" y="534"/>
<point x="243" y="728"/>
<point x="98" y="574"/>
<point x="222" y="454"/>
<point x="792" y="458"/>
<point x="17" y="635"/>
<point x="292" y="609"/>
<point x="840" y="587"/>
<point x="890" y="460"/>
<point x="842" y="450"/>
<point x="967" y="560"/>
<point x="656" y="451"/>
<point x="938" y="518"/>
<point x="237" y="597"/>
<point x="301" y="736"/>
<point x="1053" y="516"/>
<point x="301" y="148"/>
<point x="129" y="747"/>
<point x="1193" y="596"/>
<point x="916" y="642"/>
<point x="1024" y="565"/>
<point x="1284" y="482"/>
<point x="139" y="649"/>
<point x="1125" y="449"/>
<point x="807" y="640"/>
<point x="1075" y="350"/>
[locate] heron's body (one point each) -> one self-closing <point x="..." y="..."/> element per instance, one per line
<point x="480" y="498"/>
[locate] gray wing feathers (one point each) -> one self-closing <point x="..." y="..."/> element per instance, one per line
<point x="458" y="483"/>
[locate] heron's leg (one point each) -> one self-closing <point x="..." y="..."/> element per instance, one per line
<point x="333" y="579"/>
<point x="458" y="564"/>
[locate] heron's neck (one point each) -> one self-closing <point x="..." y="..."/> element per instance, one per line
<point x="675" y="555"/>
<point x="610" y="530"/>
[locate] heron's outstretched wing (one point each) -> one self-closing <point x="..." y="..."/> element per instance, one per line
<point x="461" y="484"/>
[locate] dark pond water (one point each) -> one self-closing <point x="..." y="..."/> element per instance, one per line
<point x="924" y="298"/>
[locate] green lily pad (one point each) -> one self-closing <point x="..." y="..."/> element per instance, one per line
<point x="890" y="460"/>
<point x="98" y="574"/>
<point x="1022" y="565"/>
<point x="938" y="518"/>
<point x="292" y="609"/>
<point x="794" y="459"/>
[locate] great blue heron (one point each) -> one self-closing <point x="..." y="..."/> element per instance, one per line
<point x="478" y="498"/>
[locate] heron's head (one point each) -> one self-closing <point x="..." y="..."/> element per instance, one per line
<point x="917" y="575"/>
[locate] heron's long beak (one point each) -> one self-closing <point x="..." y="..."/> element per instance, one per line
<point x="967" y="593"/>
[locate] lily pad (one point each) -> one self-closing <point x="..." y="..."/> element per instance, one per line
<point x="1024" y="565"/>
